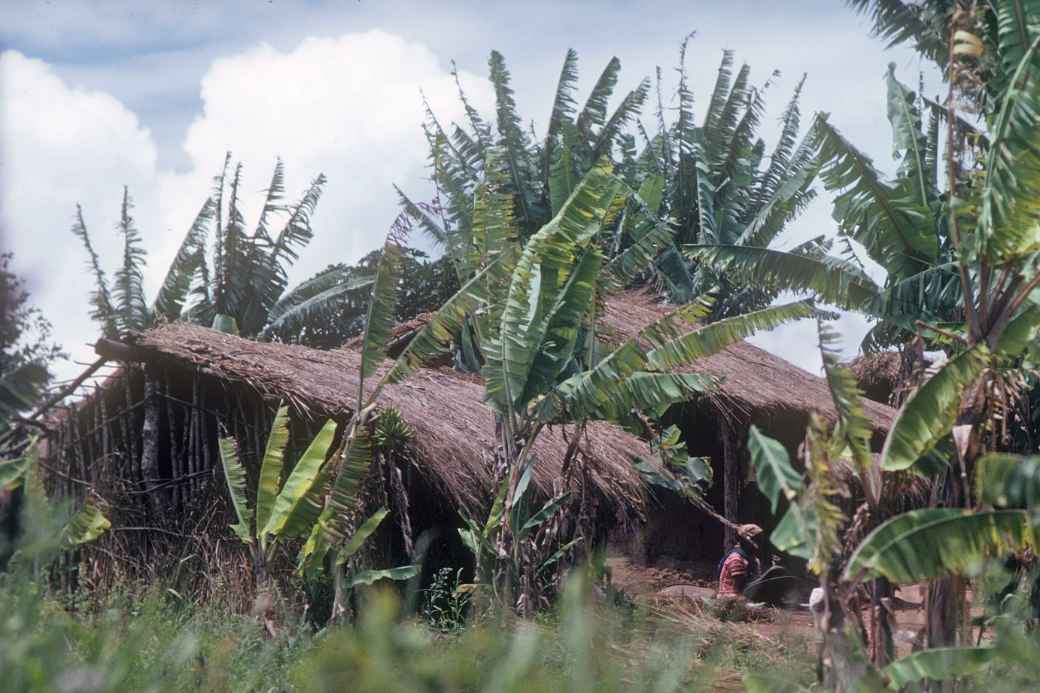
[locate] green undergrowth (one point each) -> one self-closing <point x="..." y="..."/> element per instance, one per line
<point x="156" y="638"/>
<point x="155" y="641"/>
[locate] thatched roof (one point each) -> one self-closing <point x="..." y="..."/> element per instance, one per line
<point x="753" y="381"/>
<point x="878" y="374"/>
<point x="454" y="427"/>
<point x="889" y="376"/>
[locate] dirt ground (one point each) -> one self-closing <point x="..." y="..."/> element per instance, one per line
<point x="685" y="584"/>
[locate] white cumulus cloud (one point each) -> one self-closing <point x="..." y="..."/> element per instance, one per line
<point x="349" y="107"/>
<point x="60" y="145"/>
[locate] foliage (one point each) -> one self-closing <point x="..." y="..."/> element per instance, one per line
<point x="530" y="313"/>
<point x="425" y="285"/>
<point x="25" y="347"/>
<point x="924" y="544"/>
<point x="156" y="642"/>
<point x="902" y="224"/>
<point x="977" y="235"/>
<point x="712" y="183"/>
<point x="446" y="601"/>
<point x="243" y="287"/>
<point x="295" y="510"/>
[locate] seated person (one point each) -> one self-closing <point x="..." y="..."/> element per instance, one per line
<point x="739" y="566"/>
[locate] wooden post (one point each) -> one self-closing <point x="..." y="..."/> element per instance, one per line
<point x="730" y="479"/>
<point x="176" y="472"/>
<point x="128" y="424"/>
<point x="150" y="438"/>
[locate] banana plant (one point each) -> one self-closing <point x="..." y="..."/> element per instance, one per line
<point x="531" y="310"/>
<point x="722" y="187"/>
<point x="909" y="548"/>
<point x="986" y="225"/>
<point x="288" y="511"/>
<point x="902" y="225"/>
<point x="713" y="182"/>
<point x="243" y="288"/>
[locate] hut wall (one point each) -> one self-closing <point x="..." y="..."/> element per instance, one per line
<point x="678" y="531"/>
<point x="180" y="516"/>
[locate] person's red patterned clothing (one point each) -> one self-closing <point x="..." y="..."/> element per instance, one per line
<point x="735" y="574"/>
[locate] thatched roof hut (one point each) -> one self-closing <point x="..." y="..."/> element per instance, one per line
<point x="755" y="387"/>
<point x="890" y="376"/>
<point x="453" y="426"/>
<point x="191" y="384"/>
<point x="198" y="384"/>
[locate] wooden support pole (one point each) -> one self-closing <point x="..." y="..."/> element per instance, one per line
<point x="150" y="439"/>
<point x="730" y="479"/>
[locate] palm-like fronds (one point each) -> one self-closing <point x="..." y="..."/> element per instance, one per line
<point x="930" y="413"/>
<point x="513" y="139"/>
<point x="331" y="528"/>
<point x="301" y="499"/>
<point x="834" y="280"/>
<point x="853" y="430"/>
<point x="103" y="310"/>
<point x="316" y="299"/>
<point x="895" y="232"/>
<point x="780" y="158"/>
<point x="716" y="336"/>
<point x="908" y="140"/>
<point x="563" y="110"/>
<point x="532" y="303"/>
<point x="1011" y="196"/>
<point x="271" y="467"/>
<point x="594" y="112"/>
<point x="447" y="322"/>
<point x="773" y="471"/>
<point x="246" y="285"/>
<point x="235" y="475"/>
<point x="938" y="664"/>
<point x="382" y="306"/>
<point x="131" y="310"/>
<point x="926" y="544"/>
<point x="898" y="21"/>
<point x="169" y="302"/>
<point x="625" y="113"/>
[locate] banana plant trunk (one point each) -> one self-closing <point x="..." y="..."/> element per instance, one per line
<point x="882" y="647"/>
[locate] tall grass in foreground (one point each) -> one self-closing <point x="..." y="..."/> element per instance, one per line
<point x="156" y="642"/>
<point x="155" y="639"/>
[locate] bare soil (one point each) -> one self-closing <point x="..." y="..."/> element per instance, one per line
<point x="681" y="587"/>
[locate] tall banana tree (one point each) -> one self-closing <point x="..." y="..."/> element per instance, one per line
<point x="721" y="186"/>
<point x="541" y="171"/>
<point x="986" y="222"/>
<point x="713" y="182"/>
<point x="530" y="311"/>
<point x="902" y="224"/>
<point x="908" y="548"/>
<point x="244" y="287"/>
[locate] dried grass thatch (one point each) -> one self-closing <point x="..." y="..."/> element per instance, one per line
<point x="454" y="427"/>
<point x="754" y="383"/>
<point x="877" y="372"/>
<point x="889" y="376"/>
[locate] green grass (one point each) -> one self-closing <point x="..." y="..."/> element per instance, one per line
<point x="154" y="641"/>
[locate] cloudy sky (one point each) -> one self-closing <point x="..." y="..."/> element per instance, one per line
<point x="99" y="94"/>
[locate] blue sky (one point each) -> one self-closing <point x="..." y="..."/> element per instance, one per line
<point x="96" y="95"/>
